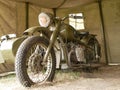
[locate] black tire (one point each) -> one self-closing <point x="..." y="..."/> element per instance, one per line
<point x="24" y="57"/>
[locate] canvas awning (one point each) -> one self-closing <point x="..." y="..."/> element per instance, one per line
<point x="58" y="3"/>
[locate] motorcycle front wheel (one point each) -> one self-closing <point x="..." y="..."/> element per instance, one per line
<point x="28" y="65"/>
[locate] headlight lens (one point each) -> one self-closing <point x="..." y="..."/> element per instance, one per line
<point x="44" y="19"/>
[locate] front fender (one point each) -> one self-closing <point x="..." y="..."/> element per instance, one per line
<point x="33" y="30"/>
<point x="47" y="33"/>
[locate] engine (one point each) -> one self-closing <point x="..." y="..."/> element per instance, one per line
<point x="79" y="54"/>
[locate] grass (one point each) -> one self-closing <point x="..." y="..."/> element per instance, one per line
<point x="60" y="75"/>
<point x="10" y="82"/>
<point x="7" y="78"/>
<point x="66" y="75"/>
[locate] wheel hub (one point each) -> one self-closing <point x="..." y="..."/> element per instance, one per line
<point x="35" y="63"/>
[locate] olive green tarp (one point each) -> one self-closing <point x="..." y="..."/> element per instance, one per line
<point x="57" y="3"/>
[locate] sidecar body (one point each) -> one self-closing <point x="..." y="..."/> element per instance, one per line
<point x="8" y="48"/>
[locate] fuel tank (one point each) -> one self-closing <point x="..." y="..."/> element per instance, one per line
<point x="67" y="32"/>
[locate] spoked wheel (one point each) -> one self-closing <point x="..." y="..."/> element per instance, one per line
<point x="29" y="65"/>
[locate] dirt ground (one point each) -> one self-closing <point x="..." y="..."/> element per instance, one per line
<point x="106" y="78"/>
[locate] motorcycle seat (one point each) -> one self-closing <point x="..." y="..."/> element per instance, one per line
<point x="81" y="32"/>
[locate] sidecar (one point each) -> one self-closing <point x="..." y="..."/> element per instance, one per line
<point x="8" y="48"/>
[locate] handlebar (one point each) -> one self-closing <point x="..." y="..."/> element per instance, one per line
<point x="74" y="17"/>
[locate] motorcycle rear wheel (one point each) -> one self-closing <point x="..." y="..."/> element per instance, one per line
<point x="28" y="65"/>
<point x="94" y="55"/>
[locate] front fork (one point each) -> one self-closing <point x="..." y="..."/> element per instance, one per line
<point x="52" y="41"/>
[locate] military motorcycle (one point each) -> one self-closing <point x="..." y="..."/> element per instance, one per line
<point x="50" y="44"/>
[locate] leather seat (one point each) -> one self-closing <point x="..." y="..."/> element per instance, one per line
<point x="82" y="32"/>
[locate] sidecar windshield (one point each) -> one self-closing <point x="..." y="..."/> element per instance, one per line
<point x="8" y="36"/>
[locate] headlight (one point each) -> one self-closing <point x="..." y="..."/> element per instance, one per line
<point x="45" y="19"/>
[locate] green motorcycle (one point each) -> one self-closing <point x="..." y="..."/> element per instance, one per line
<point x="46" y="47"/>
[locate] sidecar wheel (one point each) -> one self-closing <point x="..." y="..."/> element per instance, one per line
<point x="28" y="65"/>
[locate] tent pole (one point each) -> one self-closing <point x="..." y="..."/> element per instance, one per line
<point x="27" y="15"/>
<point x="103" y="29"/>
<point x="54" y="12"/>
